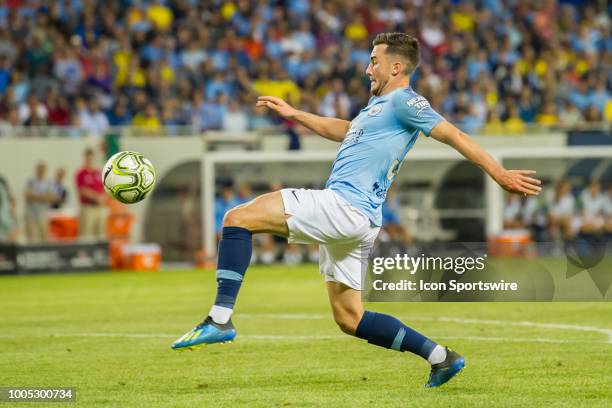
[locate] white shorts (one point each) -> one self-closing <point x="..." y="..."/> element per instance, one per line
<point x="344" y="233"/>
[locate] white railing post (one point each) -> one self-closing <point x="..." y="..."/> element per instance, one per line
<point x="494" y="203"/>
<point x="207" y="169"/>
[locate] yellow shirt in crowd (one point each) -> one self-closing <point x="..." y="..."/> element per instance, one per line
<point x="514" y="125"/>
<point x="285" y="89"/>
<point x="146" y="122"/>
<point x="161" y="16"/>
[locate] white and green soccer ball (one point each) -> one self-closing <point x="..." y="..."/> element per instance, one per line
<point x="128" y="176"/>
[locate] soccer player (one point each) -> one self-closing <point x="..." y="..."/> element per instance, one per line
<point x="345" y="217"/>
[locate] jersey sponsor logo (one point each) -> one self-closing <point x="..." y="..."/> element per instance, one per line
<point x="379" y="190"/>
<point x="352" y="136"/>
<point x="419" y="103"/>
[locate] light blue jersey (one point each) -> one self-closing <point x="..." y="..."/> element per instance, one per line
<point x="375" y="146"/>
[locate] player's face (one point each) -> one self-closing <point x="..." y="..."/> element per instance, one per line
<point x="379" y="69"/>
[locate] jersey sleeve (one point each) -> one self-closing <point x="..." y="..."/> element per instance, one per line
<point x="414" y="112"/>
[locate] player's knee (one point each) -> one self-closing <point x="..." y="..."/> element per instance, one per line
<point x="235" y="218"/>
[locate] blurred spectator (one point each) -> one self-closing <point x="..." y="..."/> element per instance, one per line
<point x="67" y="68"/>
<point x="245" y="194"/>
<point x="513" y="217"/>
<point x="608" y="111"/>
<point x="38" y="197"/>
<point x="214" y="111"/>
<point x="5" y="73"/>
<point x="236" y="119"/>
<point x="226" y="200"/>
<point x="60" y="193"/>
<point x="7" y="124"/>
<point x="91" y="197"/>
<point x="336" y="102"/>
<point x="281" y="87"/>
<point x="548" y="115"/>
<point x="58" y="109"/>
<point x="561" y="212"/>
<point x="591" y="114"/>
<point x="119" y="115"/>
<point x="33" y="112"/>
<point x="592" y="203"/>
<point x="469" y="121"/>
<point x="494" y="125"/>
<point x="570" y="115"/>
<point x="535" y="217"/>
<point x="259" y="120"/>
<point x="514" y="124"/>
<point x="160" y="15"/>
<point x="8" y="216"/>
<point x="20" y="86"/>
<point x="528" y="108"/>
<point x="608" y="211"/>
<point x="148" y="120"/>
<point x="173" y="116"/>
<point x="91" y="119"/>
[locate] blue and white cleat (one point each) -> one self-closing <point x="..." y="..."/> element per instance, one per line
<point x="207" y="332"/>
<point x="444" y="371"/>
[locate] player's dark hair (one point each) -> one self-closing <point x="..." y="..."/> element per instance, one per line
<point x="403" y="45"/>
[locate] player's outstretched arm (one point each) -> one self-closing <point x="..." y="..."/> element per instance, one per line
<point x="330" y="128"/>
<point x="514" y="181"/>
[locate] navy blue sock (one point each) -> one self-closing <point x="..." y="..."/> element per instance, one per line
<point x="388" y="332"/>
<point x="235" y="250"/>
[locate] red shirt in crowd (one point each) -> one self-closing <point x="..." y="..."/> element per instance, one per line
<point x="89" y="178"/>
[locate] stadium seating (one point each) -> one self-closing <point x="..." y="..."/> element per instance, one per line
<point x="174" y="67"/>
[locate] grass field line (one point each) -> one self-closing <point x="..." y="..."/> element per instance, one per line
<point x="525" y="323"/>
<point x="319" y="316"/>
<point x="297" y="338"/>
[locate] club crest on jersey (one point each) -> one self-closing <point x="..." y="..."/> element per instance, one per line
<point x="375" y="110"/>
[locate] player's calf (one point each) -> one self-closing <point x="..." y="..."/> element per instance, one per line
<point x="347" y="322"/>
<point x="263" y="214"/>
<point x="386" y="331"/>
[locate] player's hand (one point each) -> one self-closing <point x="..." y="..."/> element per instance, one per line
<point x="519" y="182"/>
<point x="278" y="105"/>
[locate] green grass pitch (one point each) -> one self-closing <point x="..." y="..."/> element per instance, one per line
<point x="109" y="336"/>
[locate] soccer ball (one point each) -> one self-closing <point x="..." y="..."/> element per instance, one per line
<point x="128" y="176"/>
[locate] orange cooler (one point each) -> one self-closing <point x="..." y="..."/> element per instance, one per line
<point x="512" y="244"/>
<point x="63" y="225"/>
<point x="141" y="257"/>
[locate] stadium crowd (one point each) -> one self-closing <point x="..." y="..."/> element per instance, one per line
<point x="492" y="66"/>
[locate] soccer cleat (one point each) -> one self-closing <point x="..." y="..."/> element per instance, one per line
<point x="207" y="332"/>
<point x="444" y="371"/>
